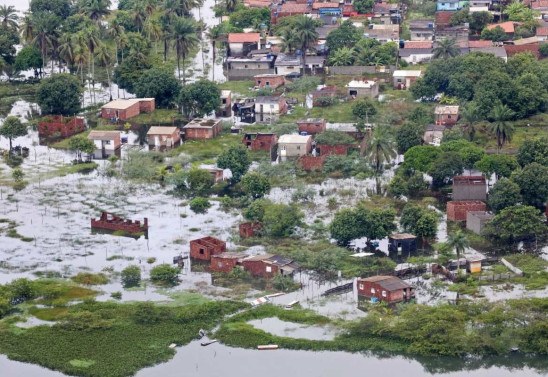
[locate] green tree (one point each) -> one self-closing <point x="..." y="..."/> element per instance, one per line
<point x="350" y="224"/>
<point x="21" y="290"/>
<point x="503" y="131"/>
<point x="281" y="220"/>
<point x="531" y="95"/>
<point x="543" y="49"/>
<point x="9" y="17"/>
<point x="255" y="184"/>
<point x="44" y="31"/>
<point x="504" y="193"/>
<point x="343" y="56"/>
<point x="306" y="36"/>
<point x="533" y="150"/>
<point x="501" y="165"/>
<point x="29" y="57"/>
<point x="160" y="84"/>
<point x="470" y="115"/>
<point x="445" y="49"/>
<point x="445" y="168"/>
<point x="479" y="20"/>
<point x="422" y="157"/>
<point x="331" y="137"/>
<point x="419" y="221"/>
<point x="199" y="181"/>
<point x="131" y="276"/>
<point x="129" y="71"/>
<point x="200" y="98"/>
<point x="398" y="187"/>
<point x="199" y="205"/>
<point x="59" y="94"/>
<point x="364" y="6"/>
<point x="12" y="128"/>
<point x="533" y="182"/>
<point x="94" y="9"/>
<point x="255" y="211"/>
<point x="237" y="160"/>
<point x="468" y="152"/>
<point x="346" y="35"/>
<point x="60" y="8"/>
<point x="459" y="242"/>
<point x="184" y="35"/>
<point x="164" y="274"/>
<point x="516" y="223"/>
<point x="80" y="144"/>
<point x="364" y="108"/>
<point x="496" y="34"/>
<point x="520" y="12"/>
<point x="408" y="136"/>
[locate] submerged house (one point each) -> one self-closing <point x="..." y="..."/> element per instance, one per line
<point x="389" y="289"/>
<point x="107" y="143"/>
<point x="268" y="266"/>
<point x="162" y="138"/>
<point x="204" y="248"/>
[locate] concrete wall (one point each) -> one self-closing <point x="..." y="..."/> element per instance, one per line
<point x="469" y="192"/>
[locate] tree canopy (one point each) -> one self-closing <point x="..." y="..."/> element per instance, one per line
<point x="237" y="160"/>
<point x="59" y="94"/>
<point x="159" y="83"/>
<point x="200" y="98"/>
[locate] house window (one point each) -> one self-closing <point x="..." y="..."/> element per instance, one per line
<point x="448" y="116"/>
<point x="361" y="287"/>
<point x="373" y="290"/>
<point x="219" y="264"/>
<point x="383" y="293"/>
<point x="224" y="101"/>
<point x="245" y="66"/>
<point x="268" y="269"/>
<point x="399" y="80"/>
<point x="107" y="142"/>
<point x="202" y="251"/>
<point x="267" y="83"/>
<point x="258" y="66"/>
<point x="298" y="147"/>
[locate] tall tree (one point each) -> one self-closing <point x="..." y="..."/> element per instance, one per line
<point x="95" y="9"/>
<point x="459" y="242"/>
<point x="380" y="148"/>
<point x="104" y="56"/>
<point x="470" y="115"/>
<point x="115" y="31"/>
<point x="45" y="26"/>
<point x="446" y="48"/>
<point x="9" y="17"/>
<point x="12" y="128"/>
<point x="306" y="35"/>
<point x="215" y="34"/>
<point x="500" y="127"/>
<point x="184" y="35"/>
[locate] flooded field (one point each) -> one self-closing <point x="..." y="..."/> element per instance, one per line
<point x="294" y="330"/>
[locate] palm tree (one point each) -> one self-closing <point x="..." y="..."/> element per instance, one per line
<point x="139" y="15"/>
<point x="153" y="31"/>
<point x="45" y="31"/>
<point x="342" y="57"/>
<point x="89" y="37"/>
<point x="115" y="30"/>
<point x="288" y="40"/>
<point x="9" y="17"/>
<point x="214" y="34"/>
<point x="230" y="5"/>
<point x="379" y="149"/>
<point x="446" y="48"/>
<point x="66" y="49"/>
<point x="80" y="58"/>
<point x="27" y="29"/>
<point x="470" y="115"/>
<point x="95" y="9"/>
<point x="502" y="130"/>
<point x="184" y="34"/>
<point x="459" y="242"/>
<point x="104" y="56"/>
<point x="306" y="35"/>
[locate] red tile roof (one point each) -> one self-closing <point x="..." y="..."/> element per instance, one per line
<point x="513" y="49"/>
<point x="244" y="38"/>
<point x="325" y="5"/>
<point x="294" y="8"/>
<point x="539" y="4"/>
<point x="257" y="3"/>
<point x="480" y="44"/>
<point x="508" y="26"/>
<point x="418" y="44"/>
<point x="542" y="31"/>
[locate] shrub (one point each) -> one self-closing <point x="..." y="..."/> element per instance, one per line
<point x="164" y="274"/>
<point x="131" y="276"/>
<point x="88" y="278"/>
<point x="200" y="205"/>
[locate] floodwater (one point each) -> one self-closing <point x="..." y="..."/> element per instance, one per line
<point x="278" y="327"/>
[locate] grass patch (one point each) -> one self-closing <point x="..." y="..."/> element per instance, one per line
<point x="158" y="116"/>
<point x="201" y="150"/>
<point x="49" y="314"/>
<point x="81" y="363"/>
<point x="535" y="276"/>
<point x="243" y="88"/>
<point x="87" y="278"/>
<point x="70" y="169"/>
<point x="183" y="298"/>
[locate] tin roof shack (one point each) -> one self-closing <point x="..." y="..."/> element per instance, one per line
<point x="268" y="266"/>
<point x="245" y="110"/>
<point x="446" y="115"/>
<point x="477" y="220"/>
<point x="200" y="129"/>
<point x="225" y="110"/>
<point x="293" y="146"/>
<point x="122" y="109"/>
<point x="259" y="141"/>
<point x="402" y="243"/>
<point x="457" y="210"/>
<point x="474" y="263"/>
<point x="269" y="108"/>
<point x="226" y="262"/>
<point x="433" y="134"/>
<point x="404" y="79"/>
<point x="55" y="127"/>
<point x="421" y="30"/>
<point x="311" y="126"/>
<point x="287" y="65"/>
<point x="249" y="229"/>
<point x="107" y="143"/>
<point x="269" y="81"/>
<point x="347" y="128"/>
<point x="204" y="248"/>
<point x="389" y="289"/>
<point x="163" y="138"/>
<point x="362" y="88"/>
<point x="111" y="223"/>
<point x="240" y="44"/>
<point x="323" y="96"/>
<point x="473" y="187"/>
<point x="245" y="68"/>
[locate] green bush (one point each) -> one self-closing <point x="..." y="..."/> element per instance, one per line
<point x="164" y="274"/>
<point x="200" y="205"/>
<point x="131" y="276"/>
<point x="88" y="278"/>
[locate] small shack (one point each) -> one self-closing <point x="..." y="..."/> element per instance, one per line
<point x="225" y="110"/>
<point x="362" y="88"/>
<point x="469" y="187"/>
<point x="402" y="243"/>
<point x="457" y="210"/>
<point x="293" y="146"/>
<point x="477" y="220"/>
<point x="199" y="129"/>
<point x="268" y="266"/>
<point x="163" y="138"/>
<point x="433" y="134"/>
<point x="226" y="262"/>
<point x="269" y="81"/>
<point x="107" y="143"/>
<point x="122" y="109"/>
<point x="249" y="229"/>
<point x="446" y="115"/>
<point x="204" y="248"/>
<point x="257" y="141"/>
<point x="389" y="289"/>
<point x="404" y="79"/>
<point x="113" y="224"/>
<point x="474" y="263"/>
<point x="311" y="126"/>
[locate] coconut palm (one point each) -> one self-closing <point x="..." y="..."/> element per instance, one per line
<point x="344" y="56"/>
<point x="306" y="35"/>
<point x="95" y="9"/>
<point x="104" y="57"/>
<point x="153" y="31"/>
<point x="115" y="31"/>
<point x="470" y="115"/>
<point x="44" y="31"/>
<point x="66" y="49"/>
<point x="80" y="58"/>
<point x="288" y="40"/>
<point x="380" y="148"/>
<point x="184" y="35"/>
<point x="214" y="34"/>
<point x="89" y="37"/>
<point x="230" y="5"/>
<point x="500" y="127"/>
<point x="27" y="29"/>
<point x="139" y="15"/>
<point x="459" y="242"/>
<point x="446" y="48"/>
<point x="9" y="17"/>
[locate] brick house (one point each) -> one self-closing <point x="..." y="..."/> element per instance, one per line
<point x="469" y="187"/>
<point x="204" y="248"/>
<point x="122" y="109"/>
<point x="249" y="229"/>
<point x="217" y="174"/>
<point x="225" y="110"/>
<point x="199" y="129"/>
<point x="325" y="92"/>
<point x="163" y="138"/>
<point x="112" y="223"/>
<point x="58" y="126"/>
<point x="260" y="141"/>
<point x="311" y="126"/>
<point x="107" y="143"/>
<point x="269" y="81"/>
<point x="269" y="108"/>
<point x="332" y="149"/>
<point x="311" y="163"/>
<point x="457" y="210"/>
<point x="226" y="262"/>
<point x="446" y="115"/>
<point x="389" y="289"/>
<point x="240" y="44"/>
<point x="268" y="266"/>
<point x="404" y="79"/>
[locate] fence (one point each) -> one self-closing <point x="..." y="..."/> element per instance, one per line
<point x="246" y="74"/>
<point x="356" y="70"/>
